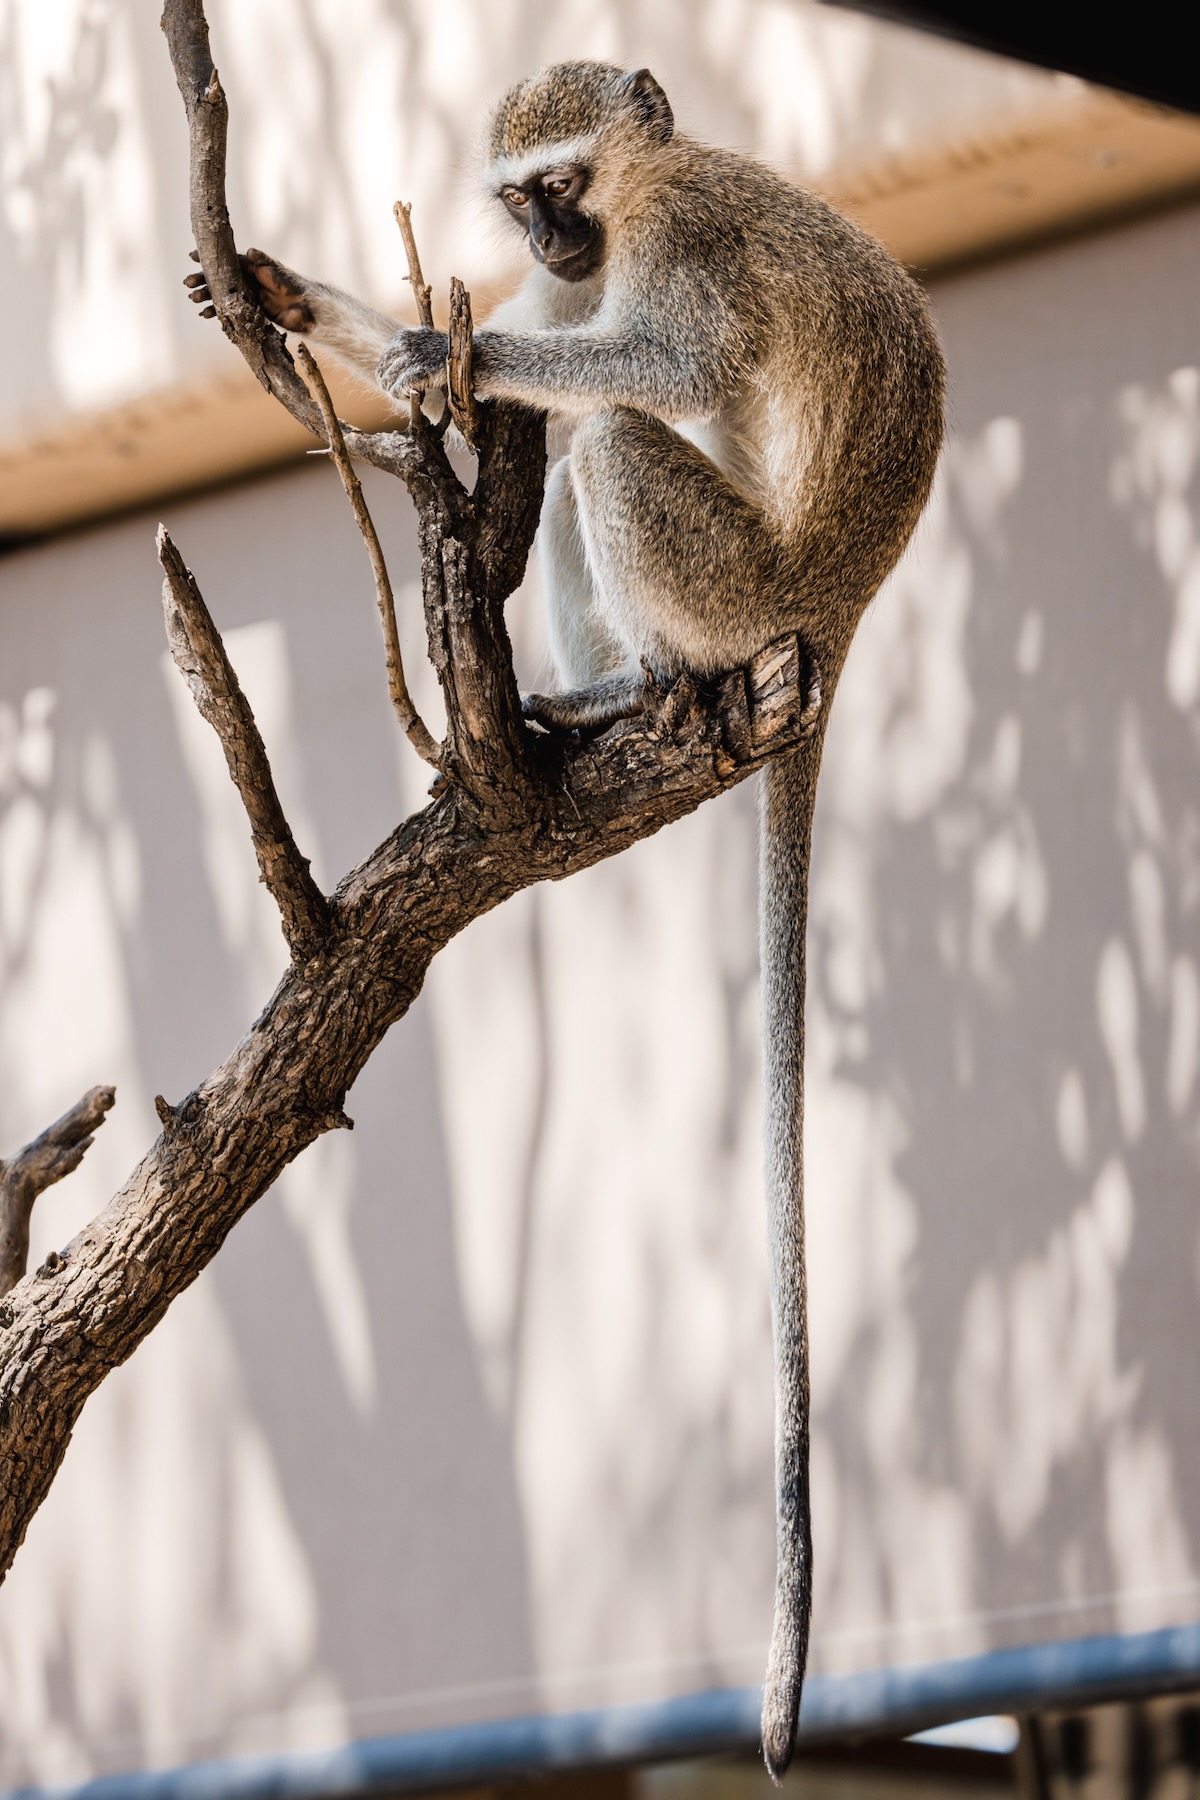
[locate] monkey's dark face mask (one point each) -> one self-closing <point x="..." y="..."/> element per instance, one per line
<point x="562" y="236"/>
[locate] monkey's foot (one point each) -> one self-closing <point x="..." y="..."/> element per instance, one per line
<point x="590" y="709"/>
<point x="279" y="291"/>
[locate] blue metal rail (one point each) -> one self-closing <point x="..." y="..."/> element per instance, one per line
<point x="884" y="1702"/>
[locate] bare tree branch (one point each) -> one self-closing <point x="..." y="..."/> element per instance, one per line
<point x="419" y="735"/>
<point x="59" y="1149"/>
<point x="517" y="806"/>
<point x="423" y="294"/>
<point x="284" y="1084"/>
<point x="241" y="318"/>
<point x="199" y="654"/>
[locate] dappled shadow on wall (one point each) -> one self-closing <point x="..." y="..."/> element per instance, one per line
<point x="368" y="102"/>
<point x="291" y="1518"/>
<point x="1005" y="1001"/>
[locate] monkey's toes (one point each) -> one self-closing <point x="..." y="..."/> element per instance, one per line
<point x="198" y="292"/>
<point x="540" y="710"/>
<point x="591" y="710"/>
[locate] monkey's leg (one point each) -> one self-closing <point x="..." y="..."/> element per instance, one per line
<point x="587" y="658"/>
<point x="687" y="572"/>
<point x="584" y="651"/>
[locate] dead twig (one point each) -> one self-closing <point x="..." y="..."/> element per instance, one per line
<point x="58" y="1150"/>
<point x="199" y="654"/>
<point x="409" y="455"/>
<point x="422" y="292"/>
<point x="418" y="733"/>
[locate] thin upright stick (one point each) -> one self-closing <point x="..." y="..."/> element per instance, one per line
<point x="422" y="292"/>
<point x="420" y="287"/>
<point x="419" y="735"/>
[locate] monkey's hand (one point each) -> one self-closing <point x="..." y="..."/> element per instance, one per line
<point x="279" y="291"/>
<point x="415" y="358"/>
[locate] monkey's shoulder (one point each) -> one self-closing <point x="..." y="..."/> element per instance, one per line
<point x="745" y="226"/>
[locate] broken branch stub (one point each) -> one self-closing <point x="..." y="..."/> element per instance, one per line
<point x="199" y="654"/>
<point x="459" y="378"/>
<point x="50" y="1156"/>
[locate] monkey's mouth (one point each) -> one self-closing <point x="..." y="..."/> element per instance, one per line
<point x="574" y="265"/>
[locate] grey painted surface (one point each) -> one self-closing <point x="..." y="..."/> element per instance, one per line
<point x="471" y="1418"/>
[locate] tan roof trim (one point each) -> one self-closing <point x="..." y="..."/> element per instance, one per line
<point x="1088" y="157"/>
<point x="169" y="442"/>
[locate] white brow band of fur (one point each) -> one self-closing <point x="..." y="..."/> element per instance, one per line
<point x="515" y="171"/>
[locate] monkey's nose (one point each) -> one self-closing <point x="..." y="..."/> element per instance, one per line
<point x="544" y="238"/>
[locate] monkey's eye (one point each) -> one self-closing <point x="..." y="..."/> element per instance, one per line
<point x="557" y="186"/>
<point x="514" y="197"/>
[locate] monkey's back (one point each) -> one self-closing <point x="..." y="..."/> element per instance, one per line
<point x="837" y="371"/>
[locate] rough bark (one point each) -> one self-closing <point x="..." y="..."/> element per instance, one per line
<point x="512" y="806"/>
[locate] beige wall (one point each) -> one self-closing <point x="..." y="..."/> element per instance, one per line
<point x="341" y="106"/>
<point x="472" y="1415"/>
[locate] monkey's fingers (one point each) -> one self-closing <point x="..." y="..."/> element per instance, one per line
<point x="414" y="361"/>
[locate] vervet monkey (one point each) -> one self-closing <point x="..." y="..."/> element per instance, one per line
<point x="756" y="391"/>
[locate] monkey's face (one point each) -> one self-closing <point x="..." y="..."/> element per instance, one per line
<point x="562" y="236"/>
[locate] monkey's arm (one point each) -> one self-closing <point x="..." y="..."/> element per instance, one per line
<point x="568" y="371"/>
<point x="578" y="370"/>
<point x="677" y="364"/>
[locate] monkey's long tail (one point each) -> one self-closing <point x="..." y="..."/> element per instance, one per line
<point x="785" y="835"/>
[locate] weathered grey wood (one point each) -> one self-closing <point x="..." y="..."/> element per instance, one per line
<point x="459" y="383"/>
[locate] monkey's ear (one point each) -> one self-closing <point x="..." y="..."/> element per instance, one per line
<point x="650" y="104"/>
